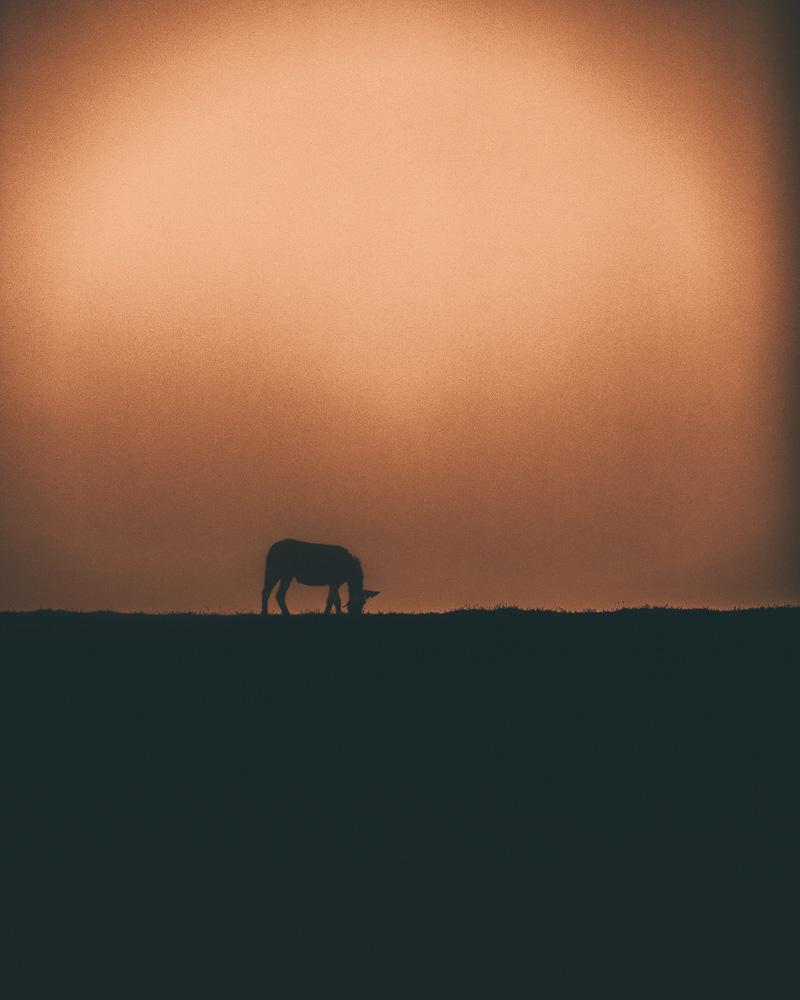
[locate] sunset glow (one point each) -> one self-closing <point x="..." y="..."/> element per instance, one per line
<point x="497" y="299"/>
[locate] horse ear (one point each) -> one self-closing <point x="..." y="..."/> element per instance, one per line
<point x="371" y="593"/>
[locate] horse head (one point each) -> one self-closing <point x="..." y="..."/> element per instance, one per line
<point x="358" y="599"/>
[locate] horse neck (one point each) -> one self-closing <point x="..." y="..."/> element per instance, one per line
<point x="355" y="578"/>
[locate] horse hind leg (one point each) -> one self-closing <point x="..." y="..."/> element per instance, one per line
<point x="269" y="583"/>
<point x="281" y="595"/>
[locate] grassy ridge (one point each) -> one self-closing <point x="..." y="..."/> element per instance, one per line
<point x="453" y="767"/>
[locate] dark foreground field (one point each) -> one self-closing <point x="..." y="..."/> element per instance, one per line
<point x="548" y="778"/>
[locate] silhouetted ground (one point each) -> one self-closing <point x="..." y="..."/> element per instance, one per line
<point x="568" y="768"/>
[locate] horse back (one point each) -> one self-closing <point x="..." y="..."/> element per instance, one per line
<point x="310" y="562"/>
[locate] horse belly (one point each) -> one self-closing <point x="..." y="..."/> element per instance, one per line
<point x="314" y="579"/>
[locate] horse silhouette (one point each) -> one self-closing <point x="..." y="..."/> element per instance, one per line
<point x="316" y="566"/>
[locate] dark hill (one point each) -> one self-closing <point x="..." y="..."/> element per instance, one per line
<point x="458" y="769"/>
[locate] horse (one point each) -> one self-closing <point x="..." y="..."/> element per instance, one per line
<point x="316" y="566"/>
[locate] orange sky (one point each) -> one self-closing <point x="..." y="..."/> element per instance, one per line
<point x="495" y="295"/>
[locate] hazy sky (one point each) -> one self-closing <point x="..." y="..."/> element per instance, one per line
<point x="495" y="295"/>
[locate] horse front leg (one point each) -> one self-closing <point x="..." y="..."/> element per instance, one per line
<point x="331" y="599"/>
<point x="337" y="600"/>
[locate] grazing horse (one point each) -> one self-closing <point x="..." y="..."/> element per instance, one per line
<point x="316" y="566"/>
